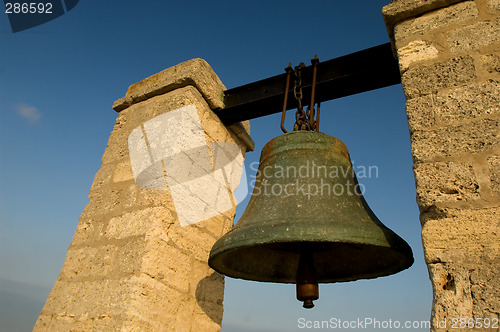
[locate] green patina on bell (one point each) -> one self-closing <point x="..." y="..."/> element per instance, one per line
<point x="307" y="222"/>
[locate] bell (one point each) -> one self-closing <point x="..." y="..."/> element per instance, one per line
<point x="307" y="222"/>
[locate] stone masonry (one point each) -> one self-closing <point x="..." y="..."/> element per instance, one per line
<point x="131" y="266"/>
<point x="449" y="58"/>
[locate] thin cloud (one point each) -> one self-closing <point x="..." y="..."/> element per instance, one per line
<point x="29" y="113"/>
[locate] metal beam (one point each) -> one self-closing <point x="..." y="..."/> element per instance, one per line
<point x="358" y="72"/>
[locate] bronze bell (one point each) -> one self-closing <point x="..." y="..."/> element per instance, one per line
<point x="307" y="222"/>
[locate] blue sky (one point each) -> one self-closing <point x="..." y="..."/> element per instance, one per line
<point x="59" y="80"/>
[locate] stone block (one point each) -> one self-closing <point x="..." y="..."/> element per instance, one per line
<point x="167" y="264"/>
<point x="155" y="304"/>
<point x="123" y="172"/>
<point x="211" y="124"/>
<point x="103" y="176"/>
<point x="193" y="240"/>
<point x="485" y="289"/>
<point x="494" y="5"/>
<point x="452" y="293"/>
<point x="399" y="10"/>
<point x="454" y="105"/>
<point x="184" y="318"/>
<point x="416" y="51"/>
<point x="136" y="302"/>
<point x="117" y="148"/>
<point x="155" y="197"/>
<point x="129" y="257"/>
<point x="144" y="99"/>
<point x="491" y="63"/>
<point x="469" y="102"/>
<point x="445" y="182"/>
<point x="478" y="136"/>
<point x="438" y="19"/>
<point x="64" y="322"/>
<point x="494" y="167"/>
<point x="214" y="128"/>
<point x="135" y="323"/>
<point x="91" y="298"/>
<point x="89" y="262"/>
<point x="133" y="117"/>
<point x="147" y="221"/>
<point x="420" y="113"/>
<point x="462" y="252"/>
<point x="475" y="36"/>
<point x="195" y="72"/>
<point x="103" y="201"/>
<point x="462" y="237"/>
<point x="218" y="225"/>
<point x="427" y="79"/>
<point x="129" y="198"/>
<point x="146" y="110"/>
<point x="88" y="230"/>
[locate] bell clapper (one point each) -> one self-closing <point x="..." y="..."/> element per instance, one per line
<point x="307" y="293"/>
<point x="307" y="285"/>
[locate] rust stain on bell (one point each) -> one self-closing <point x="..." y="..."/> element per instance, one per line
<point x="307" y="222"/>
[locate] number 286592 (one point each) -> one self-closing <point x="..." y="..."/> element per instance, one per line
<point x="28" y="8"/>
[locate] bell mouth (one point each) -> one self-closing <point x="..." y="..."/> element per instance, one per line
<point x="333" y="262"/>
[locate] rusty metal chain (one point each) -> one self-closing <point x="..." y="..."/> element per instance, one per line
<point x="310" y="113"/>
<point x="304" y="120"/>
<point x="301" y="120"/>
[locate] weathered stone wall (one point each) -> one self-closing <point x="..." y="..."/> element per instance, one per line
<point x="449" y="57"/>
<point x="131" y="266"/>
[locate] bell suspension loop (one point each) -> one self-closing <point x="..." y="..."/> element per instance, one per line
<point x="314" y="124"/>
<point x="301" y="122"/>
<point x="304" y="119"/>
<point x="288" y="70"/>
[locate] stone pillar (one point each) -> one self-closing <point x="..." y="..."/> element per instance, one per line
<point x="449" y="58"/>
<point x="138" y="259"/>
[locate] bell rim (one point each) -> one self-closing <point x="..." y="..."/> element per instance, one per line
<point x="216" y="262"/>
<point x="231" y="246"/>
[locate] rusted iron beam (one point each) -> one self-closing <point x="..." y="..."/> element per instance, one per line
<point x="358" y="72"/>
